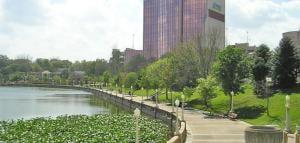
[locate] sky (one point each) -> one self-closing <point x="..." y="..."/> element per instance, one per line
<point x="90" y="29"/>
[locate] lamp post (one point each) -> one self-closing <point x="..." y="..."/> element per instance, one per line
<point x="182" y="107"/>
<point x="231" y="108"/>
<point x="177" y="124"/>
<point x="172" y="101"/>
<point x="131" y="92"/>
<point x="142" y="96"/>
<point x="123" y="88"/>
<point x="117" y="90"/>
<point x="137" y="114"/>
<point x="156" y="96"/>
<point x="287" y="116"/>
<point x="268" y="80"/>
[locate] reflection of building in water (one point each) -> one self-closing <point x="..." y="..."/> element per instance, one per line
<point x="169" y="22"/>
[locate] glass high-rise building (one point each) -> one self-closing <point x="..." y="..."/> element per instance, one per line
<point x="169" y="22"/>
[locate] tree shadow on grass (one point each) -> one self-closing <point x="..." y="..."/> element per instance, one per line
<point x="250" y="112"/>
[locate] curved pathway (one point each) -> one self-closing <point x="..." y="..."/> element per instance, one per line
<point x="204" y="130"/>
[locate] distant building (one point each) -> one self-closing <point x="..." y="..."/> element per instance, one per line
<point x="294" y="36"/>
<point x="130" y="53"/>
<point x="248" y="49"/>
<point x="78" y="75"/>
<point x="169" y="22"/>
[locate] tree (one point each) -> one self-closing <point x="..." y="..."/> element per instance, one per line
<point x="231" y="69"/>
<point x="285" y="64"/>
<point x="206" y="89"/>
<point x="131" y="80"/>
<point x="261" y="69"/>
<point x="116" y="61"/>
<point x="136" y="63"/>
<point x="106" y="77"/>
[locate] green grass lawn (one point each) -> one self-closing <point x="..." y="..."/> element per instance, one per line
<point x="250" y="108"/>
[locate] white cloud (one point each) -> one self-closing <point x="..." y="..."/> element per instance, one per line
<point x="265" y="20"/>
<point x="77" y="30"/>
<point x="80" y="29"/>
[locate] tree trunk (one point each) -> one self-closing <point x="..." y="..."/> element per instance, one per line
<point x="167" y="98"/>
<point x="230" y="103"/>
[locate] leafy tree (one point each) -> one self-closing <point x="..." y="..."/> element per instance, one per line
<point x="261" y="69"/>
<point x="44" y="64"/>
<point x="285" y="64"/>
<point x="106" y="77"/>
<point x="131" y="80"/>
<point x="231" y="69"/>
<point x="4" y="61"/>
<point x="188" y="92"/>
<point x="116" y="61"/>
<point x="206" y="89"/>
<point x="136" y="63"/>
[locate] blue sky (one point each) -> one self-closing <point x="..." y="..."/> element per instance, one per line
<point x="89" y="29"/>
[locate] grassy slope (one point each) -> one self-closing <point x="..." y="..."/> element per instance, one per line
<point x="247" y="99"/>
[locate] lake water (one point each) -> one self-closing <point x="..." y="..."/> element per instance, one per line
<point x="32" y="102"/>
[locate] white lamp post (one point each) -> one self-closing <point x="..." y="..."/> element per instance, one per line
<point x="142" y="96"/>
<point x="117" y="90"/>
<point x="232" y="94"/>
<point x="287" y="116"/>
<point x="131" y="92"/>
<point x="123" y="91"/>
<point x="137" y="114"/>
<point x="182" y="107"/>
<point x="177" y="124"/>
<point x="172" y="101"/>
<point x="156" y="96"/>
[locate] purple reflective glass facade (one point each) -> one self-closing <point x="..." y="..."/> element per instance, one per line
<point x="163" y="20"/>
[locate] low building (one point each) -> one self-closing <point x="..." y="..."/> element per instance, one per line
<point x="77" y="76"/>
<point x="294" y="36"/>
<point x="249" y="49"/>
<point x="130" y="53"/>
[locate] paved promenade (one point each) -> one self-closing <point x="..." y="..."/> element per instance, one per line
<point x="203" y="130"/>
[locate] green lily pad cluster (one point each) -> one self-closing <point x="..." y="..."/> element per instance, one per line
<point x="112" y="128"/>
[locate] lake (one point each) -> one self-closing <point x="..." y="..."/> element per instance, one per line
<point x="32" y="102"/>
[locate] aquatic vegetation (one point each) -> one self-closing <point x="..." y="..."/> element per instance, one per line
<point x="115" y="128"/>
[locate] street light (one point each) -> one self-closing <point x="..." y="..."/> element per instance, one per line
<point x="123" y="88"/>
<point x="142" y="95"/>
<point x="287" y="116"/>
<point x="156" y="96"/>
<point x="131" y="92"/>
<point x="172" y="101"/>
<point x="177" y="124"/>
<point x="232" y="94"/>
<point x="137" y="114"/>
<point x="182" y="107"/>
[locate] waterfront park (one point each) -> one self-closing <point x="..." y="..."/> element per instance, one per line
<point x="151" y="103"/>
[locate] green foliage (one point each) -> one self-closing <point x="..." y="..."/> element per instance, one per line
<point x="261" y="69"/>
<point x="188" y="92"/>
<point x="81" y="128"/>
<point x="106" y="77"/>
<point x="206" y="89"/>
<point x="136" y="63"/>
<point x="231" y="69"/>
<point x="131" y="80"/>
<point x="116" y="61"/>
<point x="285" y="63"/>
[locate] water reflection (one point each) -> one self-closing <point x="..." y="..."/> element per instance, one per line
<point x="31" y="102"/>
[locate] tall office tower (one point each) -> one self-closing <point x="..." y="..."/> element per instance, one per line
<point x="167" y="23"/>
